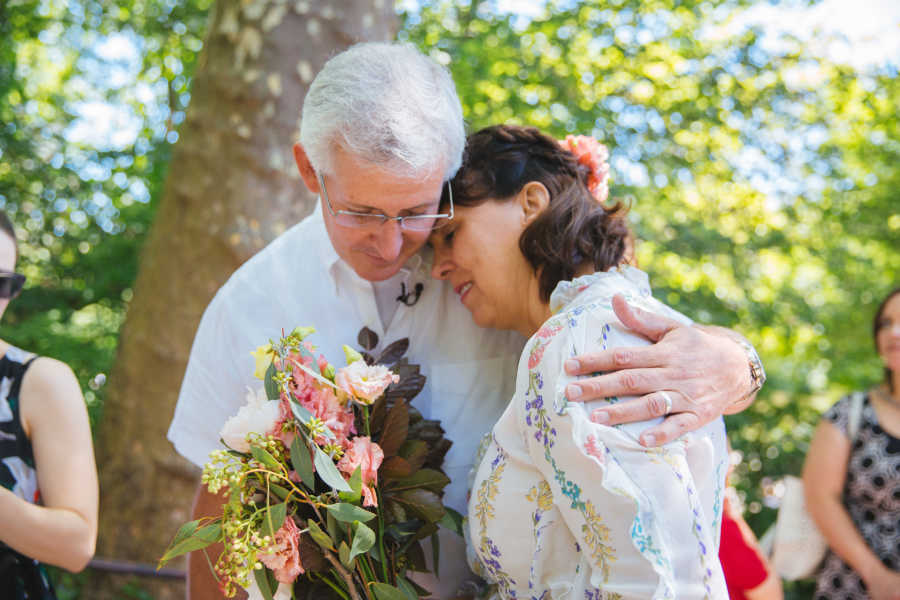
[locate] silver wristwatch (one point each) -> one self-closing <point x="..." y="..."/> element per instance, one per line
<point x="757" y="373"/>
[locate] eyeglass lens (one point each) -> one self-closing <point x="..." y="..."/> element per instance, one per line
<point x="11" y="284"/>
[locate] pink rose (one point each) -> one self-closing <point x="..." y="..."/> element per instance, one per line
<point x="364" y="383"/>
<point x="326" y="407"/>
<point x="284" y="559"/>
<point x="302" y="383"/>
<point x="366" y="455"/>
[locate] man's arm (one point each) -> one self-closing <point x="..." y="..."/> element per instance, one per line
<point x="201" y="582"/>
<point x="704" y="371"/>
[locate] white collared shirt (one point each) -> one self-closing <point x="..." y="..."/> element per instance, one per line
<point x="299" y="280"/>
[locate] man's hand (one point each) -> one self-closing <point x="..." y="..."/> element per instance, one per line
<point x="703" y="370"/>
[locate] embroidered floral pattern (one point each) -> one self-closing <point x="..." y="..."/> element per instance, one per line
<point x="594" y="497"/>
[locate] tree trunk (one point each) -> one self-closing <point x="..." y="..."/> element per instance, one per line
<point x="232" y="187"/>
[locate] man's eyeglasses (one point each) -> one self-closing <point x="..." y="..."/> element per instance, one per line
<point x="10" y="284"/>
<point x="360" y="220"/>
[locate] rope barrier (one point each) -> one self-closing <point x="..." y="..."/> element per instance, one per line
<point x="125" y="567"/>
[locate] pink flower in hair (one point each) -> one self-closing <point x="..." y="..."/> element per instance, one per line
<point x="592" y="154"/>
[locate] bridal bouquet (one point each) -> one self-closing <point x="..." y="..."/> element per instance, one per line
<point x="331" y="479"/>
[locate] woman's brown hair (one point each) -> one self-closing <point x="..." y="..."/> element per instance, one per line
<point x="574" y="229"/>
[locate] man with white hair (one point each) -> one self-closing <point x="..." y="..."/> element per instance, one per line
<point x="381" y="136"/>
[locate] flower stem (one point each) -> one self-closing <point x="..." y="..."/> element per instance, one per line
<point x="380" y="514"/>
<point x="347" y="577"/>
<point x="333" y="586"/>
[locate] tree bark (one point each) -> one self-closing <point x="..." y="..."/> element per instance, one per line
<point x="232" y="187"/>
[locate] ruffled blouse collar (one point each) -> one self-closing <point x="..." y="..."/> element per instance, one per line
<point x="626" y="279"/>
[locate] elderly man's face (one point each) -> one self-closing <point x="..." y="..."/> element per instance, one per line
<point x="375" y="252"/>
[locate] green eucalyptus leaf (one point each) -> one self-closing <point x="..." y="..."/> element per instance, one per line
<point x="281" y="492"/>
<point x="264" y="583"/>
<point x="334" y="528"/>
<point x="274" y="519"/>
<point x="263" y="456"/>
<point x="185" y="531"/>
<point x="355" y="483"/>
<point x="300" y="412"/>
<point x="344" y="555"/>
<point x="452" y="520"/>
<point x="272" y="390"/>
<point x="198" y="539"/>
<point x="384" y="591"/>
<point x="328" y="472"/>
<point x="363" y="539"/>
<point x="347" y="513"/>
<point x="320" y="537"/>
<point x="302" y="462"/>
<point x="406" y="587"/>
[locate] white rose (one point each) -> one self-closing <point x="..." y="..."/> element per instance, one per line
<point x="283" y="593"/>
<point x="259" y="415"/>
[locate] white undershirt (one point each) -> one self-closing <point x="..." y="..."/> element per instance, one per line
<point x="386" y="293"/>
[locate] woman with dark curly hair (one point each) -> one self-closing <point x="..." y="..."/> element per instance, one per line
<point x="851" y="479"/>
<point x="562" y="506"/>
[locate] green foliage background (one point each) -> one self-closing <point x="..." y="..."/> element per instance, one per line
<point x="763" y="180"/>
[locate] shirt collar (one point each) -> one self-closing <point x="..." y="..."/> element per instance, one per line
<point x="602" y="283"/>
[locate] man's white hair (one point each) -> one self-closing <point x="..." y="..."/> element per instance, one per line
<point x="387" y="104"/>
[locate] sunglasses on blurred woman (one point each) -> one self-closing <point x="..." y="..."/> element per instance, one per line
<point x="10" y="284"/>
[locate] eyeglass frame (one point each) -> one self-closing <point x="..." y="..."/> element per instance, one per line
<point x="17" y="282"/>
<point x="385" y="218"/>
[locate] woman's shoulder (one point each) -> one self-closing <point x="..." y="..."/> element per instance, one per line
<point x="51" y="381"/>
<point x="49" y="392"/>
<point x="839" y="414"/>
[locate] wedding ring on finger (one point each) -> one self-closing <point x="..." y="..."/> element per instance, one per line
<point x="668" y="400"/>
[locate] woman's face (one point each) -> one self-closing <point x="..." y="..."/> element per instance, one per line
<point x="888" y="337"/>
<point x="478" y="253"/>
<point x="7" y="262"/>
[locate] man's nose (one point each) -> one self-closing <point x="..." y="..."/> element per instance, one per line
<point x="389" y="241"/>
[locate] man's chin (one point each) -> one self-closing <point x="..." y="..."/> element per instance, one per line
<point x="375" y="272"/>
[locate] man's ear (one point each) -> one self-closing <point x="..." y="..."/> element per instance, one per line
<point x="307" y="172"/>
<point x="533" y="199"/>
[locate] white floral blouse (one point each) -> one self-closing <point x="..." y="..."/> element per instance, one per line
<point x="561" y="507"/>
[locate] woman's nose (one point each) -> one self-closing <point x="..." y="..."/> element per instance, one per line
<point x="442" y="265"/>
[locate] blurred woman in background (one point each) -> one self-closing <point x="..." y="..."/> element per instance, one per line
<point x="48" y="479"/>
<point x="852" y="487"/>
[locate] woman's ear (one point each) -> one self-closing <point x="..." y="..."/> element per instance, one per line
<point x="533" y="199"/>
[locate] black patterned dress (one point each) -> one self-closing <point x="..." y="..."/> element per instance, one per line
<point x="871" y="496"/>
<point x="21" y="578"/>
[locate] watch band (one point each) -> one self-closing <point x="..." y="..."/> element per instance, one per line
<point x="757" y="373"/>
